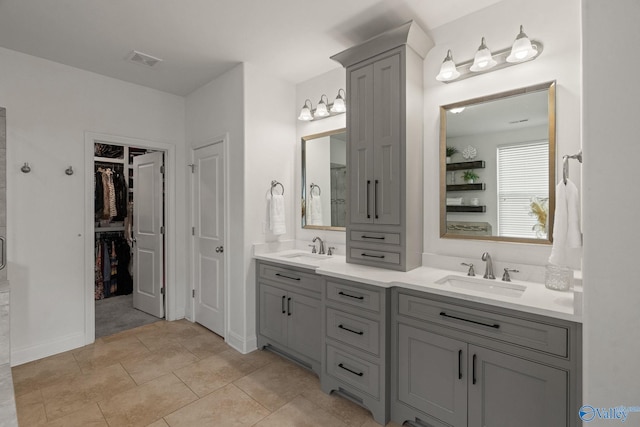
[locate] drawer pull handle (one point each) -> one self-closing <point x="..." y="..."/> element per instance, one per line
<point x="289" y="306"/>
<point x="349" y="370"/>
<point x="459" y="364"/>
<point x="495" y="325"/>
<point x="283" y="310"/>
<point x="372" y="256"/>
<point x="350" y="296"/>
<point x="287" y="277"/>
<point x="351" y="330"/>
<point x="371" y="237"/>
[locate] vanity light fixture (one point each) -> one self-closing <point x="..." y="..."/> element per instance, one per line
<point x="324" y="109"/>
<point x="338" y="105"/>
<point x="483" y="59"/>
<point x="448" y="69"/>
<point x="523" y="50"/>
<point x="321" y="109"/>
<point x="305" y="113"/>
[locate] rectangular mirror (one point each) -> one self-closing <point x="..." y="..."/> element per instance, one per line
<point x="497" y="166"/>
<point x="324" y="180"/>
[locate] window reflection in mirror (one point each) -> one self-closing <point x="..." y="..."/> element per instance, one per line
<point x="498" y="166"/>
<point x="324" y="174"/>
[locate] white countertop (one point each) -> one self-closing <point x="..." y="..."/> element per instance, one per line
<point x="536" y="299"/>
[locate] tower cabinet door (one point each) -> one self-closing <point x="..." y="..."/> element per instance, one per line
<point x="360" y="129"/>
<point x="387" y="147"/>
<point x="431" y="374"/>
<point x="506" y="391"/>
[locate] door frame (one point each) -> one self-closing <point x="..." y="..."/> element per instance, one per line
<point x="224" y="140"/>
<point x="170" y="237"/>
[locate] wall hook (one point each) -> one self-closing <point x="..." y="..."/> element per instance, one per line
<point x="26" y="168"/>
<point x="69" y="170"/>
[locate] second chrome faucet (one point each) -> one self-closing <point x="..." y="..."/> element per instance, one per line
<point x="488" y="271"/>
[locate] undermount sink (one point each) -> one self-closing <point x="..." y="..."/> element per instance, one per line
<point x="306" y="256"/>
<point x="496" y="287"/>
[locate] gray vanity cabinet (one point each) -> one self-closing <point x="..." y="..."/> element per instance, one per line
<point x="474" y="365"/>
<point x="355" y="344"/>
<point x="289" y="317"/>
<point x="384" y="155"/>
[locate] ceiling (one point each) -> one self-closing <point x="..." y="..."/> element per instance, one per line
<point x="199" y="40"/>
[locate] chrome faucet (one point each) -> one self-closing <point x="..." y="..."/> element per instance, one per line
<point x="488" y="272"/>
<point x="321" y="248"/>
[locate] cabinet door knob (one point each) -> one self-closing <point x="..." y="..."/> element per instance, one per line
<point x="220" y="249"/>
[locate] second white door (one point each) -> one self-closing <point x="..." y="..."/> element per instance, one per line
<point x="208" y="236"/>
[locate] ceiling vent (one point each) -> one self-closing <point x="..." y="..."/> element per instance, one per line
<point x="143" y="59"/>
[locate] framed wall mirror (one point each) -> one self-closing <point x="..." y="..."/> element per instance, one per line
<point x="324" y="180"/>
<point x="497" y="166"/>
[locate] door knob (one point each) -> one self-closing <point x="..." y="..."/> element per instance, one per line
<point x="220" y="249"/>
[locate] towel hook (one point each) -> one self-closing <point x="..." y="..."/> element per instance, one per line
<point x="25" y="168"/>
<point x="275" y="183"/>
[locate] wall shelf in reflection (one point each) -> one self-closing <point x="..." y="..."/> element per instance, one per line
<point x="478" y="164"/>
<point x="466" y="187"/>
<point x="478" y="209"/>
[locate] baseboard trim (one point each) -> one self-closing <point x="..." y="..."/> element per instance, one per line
<point x="240" y="344"/>
<point x="20" y="356"/>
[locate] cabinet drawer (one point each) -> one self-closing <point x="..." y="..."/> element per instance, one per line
<point x="528" y="333"/>
<point x="381" y="257"/>
<point x="354" y="330"/>
<point x="354" y="371"/>
<point x="374" y="237"/>
<point x="353" y="295"/>
<point x="308" y="281"/>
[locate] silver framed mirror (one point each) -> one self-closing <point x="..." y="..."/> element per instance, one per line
<point x="324" y="180"/>
<point x="498" y="166"/>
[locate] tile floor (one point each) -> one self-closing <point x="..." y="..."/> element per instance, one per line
<point x="175" y="374"/>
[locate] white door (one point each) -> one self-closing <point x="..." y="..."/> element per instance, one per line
<point x="148" y="229"/>
<point x="208" y="236"/>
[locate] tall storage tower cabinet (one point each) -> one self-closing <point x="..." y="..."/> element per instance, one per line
<point x="385" y="155"/>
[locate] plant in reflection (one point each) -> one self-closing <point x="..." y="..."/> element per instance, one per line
<point x="470" y="176"/>
<point x="540" y="209"/>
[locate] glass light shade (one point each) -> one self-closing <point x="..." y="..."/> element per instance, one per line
<point x="448" y="69"/>
<point x="321" y="109"/>
<point x="338" y="105"/>
<point x="483" y="59"/>
<point x="522" y="49"/>
<point x="305" y="112"/>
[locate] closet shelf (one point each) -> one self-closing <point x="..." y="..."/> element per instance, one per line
<point x="108" y="160"/>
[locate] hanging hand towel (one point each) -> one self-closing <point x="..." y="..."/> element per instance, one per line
<point x="566" y="224"/>
<point x="276" y="214"/>
<point x="315" y="210"/>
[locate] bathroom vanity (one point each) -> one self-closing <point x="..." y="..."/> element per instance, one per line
<point x="430" y="346"/>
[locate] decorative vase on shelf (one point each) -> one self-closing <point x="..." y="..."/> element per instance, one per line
<point x="469" y="181"/>
<point x="448" y="159"/>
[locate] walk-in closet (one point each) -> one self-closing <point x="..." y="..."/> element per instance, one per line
<point x="129" y="237"/>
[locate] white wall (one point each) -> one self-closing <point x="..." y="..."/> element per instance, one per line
<point x="49" y="108"/>
<point x="611" y="205"/>
<point x="328" y="84"/>
<point x="214" y="110"/>
<point x="269" y="155"/>
<point x="557" y="25"/>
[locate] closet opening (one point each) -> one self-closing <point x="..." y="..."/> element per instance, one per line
<point x="129" y="242"/>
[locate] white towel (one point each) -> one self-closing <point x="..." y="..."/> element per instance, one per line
<point x="566" y="224"/>
<point x="315" y="210"/>
<point x="276" y="214"/>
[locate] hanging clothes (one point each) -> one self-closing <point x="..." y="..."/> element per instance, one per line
<point x="113" y="255"/>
